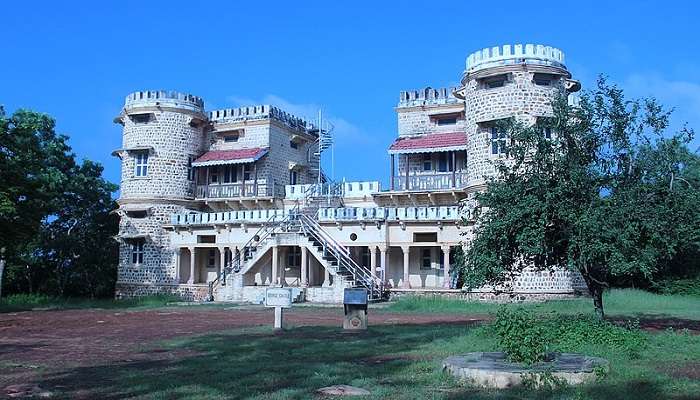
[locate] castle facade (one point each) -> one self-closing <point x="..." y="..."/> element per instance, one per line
<point x="222" y="204"/>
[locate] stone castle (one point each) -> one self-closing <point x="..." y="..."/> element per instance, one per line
<point x="222" y="204"/>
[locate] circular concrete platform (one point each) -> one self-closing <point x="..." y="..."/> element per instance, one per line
<point x="493" y="370"/>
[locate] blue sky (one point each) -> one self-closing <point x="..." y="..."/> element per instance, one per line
<point x="77" y="61"/>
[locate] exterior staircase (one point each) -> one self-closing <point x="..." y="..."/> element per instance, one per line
<point x="302" y="222"/>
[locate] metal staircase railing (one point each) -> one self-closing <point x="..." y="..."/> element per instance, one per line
<point x="330" y="248"/>
<point x="304" y="221"/>
<point x="237" y="259"/>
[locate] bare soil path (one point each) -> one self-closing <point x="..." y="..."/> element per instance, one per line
<point x="97" y="336"/>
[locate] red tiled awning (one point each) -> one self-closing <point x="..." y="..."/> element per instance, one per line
<point x="430" y="143"/>
<point x="237" y="156"/>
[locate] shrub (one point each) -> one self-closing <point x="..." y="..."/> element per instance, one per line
<point x="520" y="335"/>
<point x="574" y="334"/>
<point x="690" y="286"/>
<point x="527" y="338"/>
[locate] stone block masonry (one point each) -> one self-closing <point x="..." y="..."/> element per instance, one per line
<point x="164" y="132"/>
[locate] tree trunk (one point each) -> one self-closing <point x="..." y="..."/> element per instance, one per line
<point x="2" y="267"/>
<point x="596" y="291"/>
<point x="595" y="288"/>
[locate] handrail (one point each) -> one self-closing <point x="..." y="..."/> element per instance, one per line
<point x="236" y="257"/>
<point x="341" y="253"/>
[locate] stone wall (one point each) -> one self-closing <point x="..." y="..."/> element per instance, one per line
<point x="520" y="97"/>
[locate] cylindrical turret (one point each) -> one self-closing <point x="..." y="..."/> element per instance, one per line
<point x="510" y="81"/>
<point x="162" y="132"/>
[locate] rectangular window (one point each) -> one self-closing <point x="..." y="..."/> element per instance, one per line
<point x="141" y="118"/>
<point x="547" y="133"/>
<point x="442" y="162"/>
<point x="246" y="172"/>
<point x="365" y="256"/>
<point x="231" y="138"/>
<point x="425" y="237"/>
<point x="292" y="177"/>
<point x="227" y="173"/>
<point x="214" y="174"/>
<point x="294" y="257"/>
<point x="495" y="84"/>
<point x="141" y="164"/>
<point x="447" y="121"/>
<point x="190" y="169"/>
<point x="137" y="252"/>
<point x="426" y="259"/>
<point x="542" y="79"/>
<point x="498" y="141"/>
<point x="427" y="162"/>
<point x="211" y="259"/>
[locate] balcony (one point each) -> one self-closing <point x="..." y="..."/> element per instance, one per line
<point x="433" y="181"/>
<point x="238" y="190"/>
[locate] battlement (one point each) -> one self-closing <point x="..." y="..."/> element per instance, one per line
<point x="427" y="96"/>
<point x="515" y="54"/>
<point x="260" y="112"/>
<point x="152" y="98"/>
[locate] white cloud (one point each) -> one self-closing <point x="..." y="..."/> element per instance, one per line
<point x="682" y="96"/>
<point x="344" y="131"/>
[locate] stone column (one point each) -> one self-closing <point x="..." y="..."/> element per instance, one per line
<point x="192" y="258"/>
<point x="392" y="172"/>
<point x="406" y="276"/>
<point x="275" y="265"/>
<point x="304" y="268"/>
<point x="446" y="262"/>
<point x="222" y="260"/>
<point x="178" y="261"/>
<point x="373" y="260"/>
<point x="283" y="266"/>
<point x="408" y="164"/>
<point x="382" y="261"/>
<point x="326" y="277"/>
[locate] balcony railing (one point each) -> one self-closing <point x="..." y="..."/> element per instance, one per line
<point x="436" y="181"/>
<point x="325" y="214"/>
<point x="239" y="189"/>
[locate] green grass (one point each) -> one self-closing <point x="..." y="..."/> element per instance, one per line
<point x="392" y="362"/>
<point x="617" y="302"/>
<point x="26" y="302"/>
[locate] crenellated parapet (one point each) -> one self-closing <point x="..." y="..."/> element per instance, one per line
<point x="163" y="98"/>
<point x="515" y="54"/>
<point x="260" y="112"/>
<point x="427" y="96"/>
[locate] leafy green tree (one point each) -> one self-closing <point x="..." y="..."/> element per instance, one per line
<point x="54" y="211"/>
<point x="611" y="194"/>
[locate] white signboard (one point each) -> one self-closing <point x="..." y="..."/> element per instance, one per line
<point x="278" y="297"/>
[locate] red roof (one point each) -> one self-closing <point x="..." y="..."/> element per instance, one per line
<point x="434" y="142"/>
<point x="237" y="156"/>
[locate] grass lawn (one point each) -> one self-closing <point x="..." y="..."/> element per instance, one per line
<point x="617" y="302"/>
<point x="28" y="302"/>
<point x="391" y="361"/>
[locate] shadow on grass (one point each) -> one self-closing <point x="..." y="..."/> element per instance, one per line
<point x="253" y="362"/>
<point x="601" y="391"/>
<point x="393" y="362"/>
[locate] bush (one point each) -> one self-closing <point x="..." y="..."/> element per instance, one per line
<point x="688" y="286"/>
<point x="520" y="335"/>
<point x="527" y="338"/>
<point x="575" y="334"/>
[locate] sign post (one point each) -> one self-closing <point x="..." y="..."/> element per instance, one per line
<point x="355" y="306"/>
<point x="279" y="298"/>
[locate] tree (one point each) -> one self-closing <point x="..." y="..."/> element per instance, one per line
<point x="610" y="194"/>
<point x="53" y="211"/>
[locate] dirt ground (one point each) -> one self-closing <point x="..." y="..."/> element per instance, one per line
<point x="88" y="336"/>
<point x="36" y="341"/>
